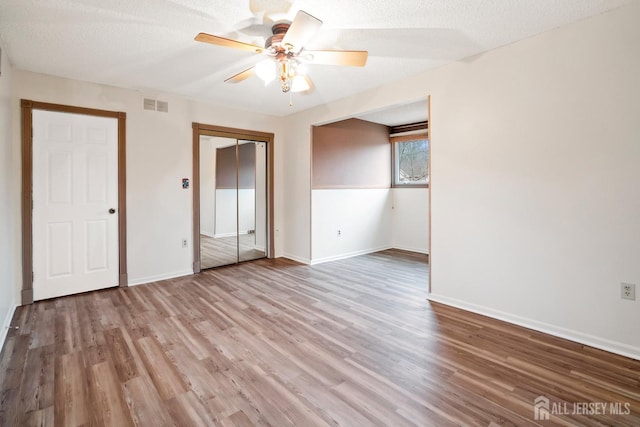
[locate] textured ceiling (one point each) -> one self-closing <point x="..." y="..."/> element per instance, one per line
<point x="148" y="44"/>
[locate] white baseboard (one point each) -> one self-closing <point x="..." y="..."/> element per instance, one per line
<point x="569" y="334"/>
<point x="207" y="233"/>
<point x="165" y="276"/>
<point x="5" y="325"/>
<point x="348" y="255"/>
<point x="410" y="249"/>
<point x="296" y="258"/>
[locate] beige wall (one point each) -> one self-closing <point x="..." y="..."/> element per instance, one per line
<point x="226" y="165"/>
<point x="9" y="198"/>
<point x="351" y="154"/>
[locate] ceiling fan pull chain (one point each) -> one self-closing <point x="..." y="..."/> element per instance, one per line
<point x="290" y="99"/>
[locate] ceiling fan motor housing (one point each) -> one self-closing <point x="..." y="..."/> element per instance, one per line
<point x="274" y="43"/>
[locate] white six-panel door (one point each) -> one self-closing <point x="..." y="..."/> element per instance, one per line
<point x="75" y="184"/>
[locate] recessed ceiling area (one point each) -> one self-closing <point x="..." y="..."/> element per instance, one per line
<point x="148" y="45"/>
<point x="396" y="115"/>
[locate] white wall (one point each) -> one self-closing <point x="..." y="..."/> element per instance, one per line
<point x="9" y="195"/>
<point x="534" y="178"/>
<point x="363" y="217"/>
<point x="369" y="220"/>
<point x="296" y="184"/>
<point x="535" y="203"/>
<point x="228" y="222"/>
<point x="159" y="155"/>
<point x="410" y="219"/>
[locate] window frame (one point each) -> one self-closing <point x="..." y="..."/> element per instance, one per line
<point x="394" y="141"/>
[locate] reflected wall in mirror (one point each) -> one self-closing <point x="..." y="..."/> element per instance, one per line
<point x="233" y="200"/>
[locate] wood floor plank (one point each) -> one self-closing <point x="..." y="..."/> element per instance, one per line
<point x="191" y="338"/>
<point x="145" y="405"/>
<point x="39" y="418"/>
<point x="71" y="390"/>
<point x="38" y="384"/>
<point x="66" y="338"/>
<point x="239" y="419"/>
<point x="330" y="406"/>
<point x="44" y="332"/>
<point x="352" y="342"/>
<point x="122" y="354"/>
<point x="198" y="375"/>
<point x="14" y="357"/>
<point x="161" y="370"/>
<point x="188" y="410"/>
<point x="107" y="397"/>
<point x="248" y="384"/>
<point x="371" y="405"/>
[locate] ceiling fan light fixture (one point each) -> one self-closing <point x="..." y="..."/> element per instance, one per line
<point x="285" y="52"/>
<point x="266" y="71"/>
<point x="284" y="71"/>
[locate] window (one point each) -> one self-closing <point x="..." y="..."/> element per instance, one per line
<point x="411" y="162"/>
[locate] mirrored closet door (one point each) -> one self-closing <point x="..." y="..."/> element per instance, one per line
<point x="233" y="200"/>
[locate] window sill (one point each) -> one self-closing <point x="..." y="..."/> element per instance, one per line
<point x="409" y="185"/>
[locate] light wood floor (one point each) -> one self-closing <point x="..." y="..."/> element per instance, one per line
<point x="273" y="342"/>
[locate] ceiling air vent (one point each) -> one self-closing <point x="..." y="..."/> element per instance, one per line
<point x="163" y="106"/>
<point x="149" y="104"/>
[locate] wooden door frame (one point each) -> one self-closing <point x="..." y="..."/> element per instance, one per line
<point x="430" y="257"/>
<point x="27" y="107"/>
<point x="226" y="132"/>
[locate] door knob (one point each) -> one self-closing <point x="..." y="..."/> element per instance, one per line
<point x="112" y="211"/>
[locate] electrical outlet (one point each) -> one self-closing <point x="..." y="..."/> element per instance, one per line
<point x="628" y="291"/>
<point x="184" y="243"/>
<point x="339" y="233"/>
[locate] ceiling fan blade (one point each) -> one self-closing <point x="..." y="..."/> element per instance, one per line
<point x="303" y="27"/>
<point x="221" y="41"/>
<point x="242" y="75"/>
<point x="351" y="58"/>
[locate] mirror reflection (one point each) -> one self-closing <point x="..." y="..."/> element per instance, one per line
<point x="233" y="201"/>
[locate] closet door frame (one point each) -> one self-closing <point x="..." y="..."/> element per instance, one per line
<point x="200" y="129"/>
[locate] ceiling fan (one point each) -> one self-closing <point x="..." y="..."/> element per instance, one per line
<point x="285" y="54"/>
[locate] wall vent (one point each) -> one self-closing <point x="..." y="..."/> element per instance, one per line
<point x="149" y="104"/>
<point x="163" y="106"/>
<point x="155" y="105"/>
